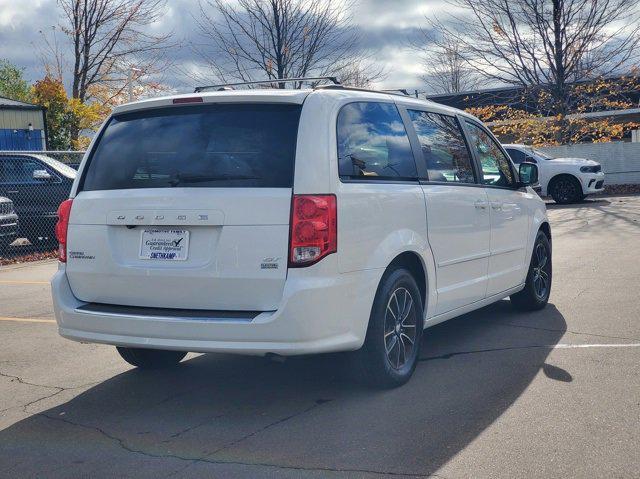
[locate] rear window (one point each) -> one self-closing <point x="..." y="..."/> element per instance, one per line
<point x="221" y="145"/>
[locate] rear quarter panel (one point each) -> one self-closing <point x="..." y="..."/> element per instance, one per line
<point x="376" y="221"/>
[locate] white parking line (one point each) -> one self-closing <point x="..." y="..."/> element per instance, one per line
<point x="572" y="346"/>
<point x="28" y="320"/>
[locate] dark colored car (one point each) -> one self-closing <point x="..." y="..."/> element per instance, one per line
<point x="36" y="184"/>
<point x="8" y="223"/>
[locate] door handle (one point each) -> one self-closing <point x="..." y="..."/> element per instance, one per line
<point x="480" y="205"/>
<point x="496" y="206"/>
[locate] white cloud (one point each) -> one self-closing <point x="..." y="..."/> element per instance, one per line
<point x="385" y="27"/>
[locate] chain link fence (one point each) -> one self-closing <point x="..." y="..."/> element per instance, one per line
<point x="32" y="186"/>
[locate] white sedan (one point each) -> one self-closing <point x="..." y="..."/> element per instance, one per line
<point x="566" y="180"/>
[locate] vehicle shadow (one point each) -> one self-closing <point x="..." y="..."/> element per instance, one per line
<point x="253" y="416"/>
<point x="586" y="203"/>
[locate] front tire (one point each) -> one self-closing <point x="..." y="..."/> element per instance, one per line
<point x="151" y="358"/>
<point x="566" y="189"/>
<point x="537" y="289"/>
<point x="390" y="352"/>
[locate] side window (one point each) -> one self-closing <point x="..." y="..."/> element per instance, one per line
<point x="443" y="147"/>
<point x="373" y="143"/>
<point x="19" y="170"/>
<point x="496" y="167"/>
<point x="517" y="156"/>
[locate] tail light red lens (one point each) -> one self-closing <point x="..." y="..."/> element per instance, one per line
<point x="64" y="211"/>
<point x="314" y="229"/>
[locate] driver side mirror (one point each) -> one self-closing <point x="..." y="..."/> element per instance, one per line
<point x="528" y="173"/>
<point x="42" y="175"/>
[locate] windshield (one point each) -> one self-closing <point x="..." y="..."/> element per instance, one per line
<point x="541" y="154"/>
<point x="220" y="145"/>
<point x="66" y="170"/>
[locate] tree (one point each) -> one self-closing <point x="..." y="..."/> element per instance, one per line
<point x="109" y="38"/>
<point x="445" y="67"/>
<point x="50" y="94"/>
<point x="277" y="39"/>
<point x="64" y="114"/>
<point x="546" y="44"/>
<point x="540" y="128"/>
<point x="12" y="82"/>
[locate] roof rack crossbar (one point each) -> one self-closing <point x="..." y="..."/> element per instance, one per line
<point x="397" y="92"/>
<point x="199" y="89"/>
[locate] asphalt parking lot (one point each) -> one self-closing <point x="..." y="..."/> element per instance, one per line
<point x="554" y="393"/>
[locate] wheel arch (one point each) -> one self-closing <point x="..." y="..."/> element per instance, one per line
<point x="546" y="229"/>
<point x="558" y="176"/>
<point x="415" y="264"/>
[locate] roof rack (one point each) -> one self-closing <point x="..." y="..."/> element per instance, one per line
<point x="229" y="86"/>
<point x="397" y="91"/>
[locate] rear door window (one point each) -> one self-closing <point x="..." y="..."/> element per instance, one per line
<point x="373" y="143"/>
<point x="219" y="145"/>
<point x="444" y="150"/>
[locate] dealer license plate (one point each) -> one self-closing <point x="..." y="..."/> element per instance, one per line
<point x="164" y="244"/>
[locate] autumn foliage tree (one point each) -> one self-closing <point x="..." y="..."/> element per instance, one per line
<point x="539" y="125"/>
<point x="112" y="42"/>
<point x="64" y="114"/>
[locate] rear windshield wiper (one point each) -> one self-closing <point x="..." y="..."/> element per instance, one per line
<point x="180" y="178"/>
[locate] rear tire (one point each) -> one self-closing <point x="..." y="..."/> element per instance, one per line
<point x="390" y="352"/>
<point x="537" y="289"/>
<point x="151" y="358"/>
<point x="566" y="189"/>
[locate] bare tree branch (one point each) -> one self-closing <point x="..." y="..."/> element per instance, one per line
<point x="110" y="37"/>
<point x="550" y="43"/>
<point x="278" y="39"/>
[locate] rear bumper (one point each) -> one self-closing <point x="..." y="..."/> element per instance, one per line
<point x="319" y="313"/>
<point x="592" y="182"/>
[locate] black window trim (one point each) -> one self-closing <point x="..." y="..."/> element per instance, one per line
<point x="417" y="148"/>
<point x="516" y="174"/>
<point x="347" y="179"/>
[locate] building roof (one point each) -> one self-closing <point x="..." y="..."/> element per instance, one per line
<point x="508" y="95"/>
<point x="9" y="103"/>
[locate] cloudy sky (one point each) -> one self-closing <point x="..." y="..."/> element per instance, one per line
<point x="385" y="26"/>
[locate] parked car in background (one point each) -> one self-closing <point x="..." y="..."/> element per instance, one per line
<point x="36" y="184"/>
<point x="8" y="223"/>
<point x="566" y="180"/>
<point x="285" y="222"/>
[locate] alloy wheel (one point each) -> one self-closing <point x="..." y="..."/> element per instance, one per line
<point x="541" y="278"/>
<point x="565" y="190"/>
<point x="400" y="329"/>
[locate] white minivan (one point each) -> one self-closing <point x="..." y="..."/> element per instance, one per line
<point x="288" y="222"/>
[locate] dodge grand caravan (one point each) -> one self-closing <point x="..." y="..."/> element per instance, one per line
<point x="292" y="222"/>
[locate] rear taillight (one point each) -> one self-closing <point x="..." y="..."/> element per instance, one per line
<point x="64" y="211"/>
<point x="314" y="229"/>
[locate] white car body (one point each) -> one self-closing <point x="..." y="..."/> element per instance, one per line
<point x="550" y="168"/>
<point x="472" y="244"/>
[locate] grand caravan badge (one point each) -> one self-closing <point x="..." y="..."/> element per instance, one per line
<point x="270" y="263"/>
